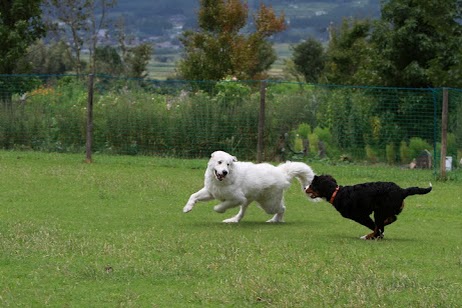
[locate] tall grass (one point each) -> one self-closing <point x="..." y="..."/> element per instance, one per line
<point x="190" y="119"/>
<point x="112" y="233"/>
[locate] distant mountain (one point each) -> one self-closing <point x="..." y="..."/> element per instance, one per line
<point x="163" y="20"/>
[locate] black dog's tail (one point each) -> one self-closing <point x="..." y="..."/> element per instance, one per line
<point x="416" y="191"/>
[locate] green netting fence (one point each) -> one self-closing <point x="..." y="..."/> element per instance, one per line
<point x="191" y="119"/>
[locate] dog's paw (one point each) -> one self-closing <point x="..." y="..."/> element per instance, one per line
<point x="372" y="236"/>
<point x="187" y="208"/>
<point x="274" y="221"/>
<point x="232" y="220"/>
<point x="276" y="218"/>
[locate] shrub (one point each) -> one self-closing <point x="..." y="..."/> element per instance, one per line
<point x="417" y="145"/>
<point x="371" y="154"/>
<point x="314" y="142"/>
<point x="452" y="145"/>
<point x="304" y="130"/>
<point x="404" y="153"/>
<point x="390" y="153"/>
<point x="323" y="134"/>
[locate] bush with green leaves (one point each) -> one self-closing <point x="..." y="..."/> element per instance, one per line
<point x="404" y="154"/>
<point x="417" y="145"/>
<point x="174" y="118"/>
<point x="390" y="153"/>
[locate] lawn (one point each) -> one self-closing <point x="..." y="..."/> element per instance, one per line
<point x="112" y="233"/>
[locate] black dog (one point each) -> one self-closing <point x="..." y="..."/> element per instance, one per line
<point x="357" y="202"/>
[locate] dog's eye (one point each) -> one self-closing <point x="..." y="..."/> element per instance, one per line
<point x="219" y="162"/>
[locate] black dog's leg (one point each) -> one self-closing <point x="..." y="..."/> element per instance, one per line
<point x="390" y="220"/>
<point x="391" y="217"/>
<point x="380" y="221"/>
<point x="365" y="221"/>
<point x="377" y="231"/>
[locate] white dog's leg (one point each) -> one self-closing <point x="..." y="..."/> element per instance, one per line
<point x="227" y="204"/>
<point x="201" y="195"/>
<point x="278" y="217"/>
<point x="238" y="217"/>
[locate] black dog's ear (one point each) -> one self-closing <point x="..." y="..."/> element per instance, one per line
<point x="331" y="178"/>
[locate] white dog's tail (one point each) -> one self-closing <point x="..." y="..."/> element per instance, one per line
<point x="301" y="171"/>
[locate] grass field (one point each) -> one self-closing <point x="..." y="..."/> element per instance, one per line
<point x="161" y="71"/>
<point x="112" y="233"/>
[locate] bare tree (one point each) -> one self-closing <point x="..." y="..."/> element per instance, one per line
<point x="80" y="21"/>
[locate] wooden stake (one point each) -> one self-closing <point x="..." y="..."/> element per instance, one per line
<point x="89" y="140"/>
<point x="261" y="122"/>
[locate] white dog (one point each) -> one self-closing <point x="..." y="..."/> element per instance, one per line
<point x="239" y="183"/>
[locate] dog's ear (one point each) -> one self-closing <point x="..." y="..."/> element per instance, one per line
<point x="234" y="158"/>
<point x="215" y="153"/>
<point x="330" y="178"/>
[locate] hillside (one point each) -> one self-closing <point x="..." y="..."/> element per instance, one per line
<point x="165" y="18"/>
<point x="161" y="22"/>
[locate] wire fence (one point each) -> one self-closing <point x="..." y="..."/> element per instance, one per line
<point x="191" y="119"/>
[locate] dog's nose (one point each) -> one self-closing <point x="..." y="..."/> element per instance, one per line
<point x="225" y="172"/>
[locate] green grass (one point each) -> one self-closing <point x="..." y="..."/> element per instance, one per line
<point x="112" y="233"/>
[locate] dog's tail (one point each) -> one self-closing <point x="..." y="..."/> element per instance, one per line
<point x="301" y="171"/>
<point x="416" y="191"/>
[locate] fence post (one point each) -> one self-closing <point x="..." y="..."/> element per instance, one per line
<point x="261" y="122"/>
<point x="89" y="139"/>
<point x="444" y="133"/>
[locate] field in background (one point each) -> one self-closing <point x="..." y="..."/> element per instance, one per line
<point x="162" y="70"/>
<point x="112" y="233"/>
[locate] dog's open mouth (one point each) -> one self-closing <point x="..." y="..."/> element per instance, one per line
<point x="220" y="177"/>
<point x="311" y="193"/>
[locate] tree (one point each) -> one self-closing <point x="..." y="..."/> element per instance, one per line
<point x="84" y="19"/>
<point x="41" y="58"/>
<point x="108" y="61"/>
<point x="417" y="41"/>
<point x="221" y="48"/>
<point x="74" y="14"/>
<point x="20" y="25"/>
<point x="137" y="60"/>
<point x="309" y="59"/>
<point x="349" y="56"/>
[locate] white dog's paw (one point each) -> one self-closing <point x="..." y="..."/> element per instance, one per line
<point x="219" y="209"/>
<point x="276" y="218"/>
<point x="272" y="220"/>
<point x="187" y="208"/>
<point x="232" y="220"/>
